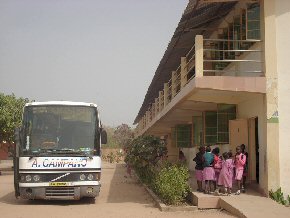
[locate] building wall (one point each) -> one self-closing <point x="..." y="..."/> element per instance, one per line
<point x="283" y="68"/>
<point x="189" y="154"/>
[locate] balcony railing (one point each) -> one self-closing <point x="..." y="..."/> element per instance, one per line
<point x="208" y="57"/>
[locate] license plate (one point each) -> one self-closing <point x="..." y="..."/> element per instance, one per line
<point x="58" y="184"/>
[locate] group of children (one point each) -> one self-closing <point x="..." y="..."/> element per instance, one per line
<point x="220" y="171"/>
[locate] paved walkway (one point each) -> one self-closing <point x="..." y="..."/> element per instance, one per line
<point x="250" y="204"/>
<point x="253" y="205"/>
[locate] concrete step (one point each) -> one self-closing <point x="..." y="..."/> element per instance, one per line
<point x="252" y="206"/>
<point x="205" y="201"/>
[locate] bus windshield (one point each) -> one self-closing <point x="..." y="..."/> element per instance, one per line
<point x="58" y="129"/>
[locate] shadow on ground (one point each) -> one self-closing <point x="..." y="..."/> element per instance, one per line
<point x="12" y="200"/>
<point x="124" y="188"/>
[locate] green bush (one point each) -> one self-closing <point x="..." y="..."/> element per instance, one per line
<point x="278" y="196"/>
<point x="171" y="184"/>
<point x="145" y="155"/>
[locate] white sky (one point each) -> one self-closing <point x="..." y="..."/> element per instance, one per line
<point x="104" y="52"/>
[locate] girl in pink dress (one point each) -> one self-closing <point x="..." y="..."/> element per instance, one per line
<point x="217" y="165"/>
<point x="240" y="161"/>
<point x="226" y="174"/>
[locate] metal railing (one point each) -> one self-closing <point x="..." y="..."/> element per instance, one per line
<point x="232" y="57"/>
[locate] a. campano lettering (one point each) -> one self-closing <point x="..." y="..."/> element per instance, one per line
<point x="59" y="163"/>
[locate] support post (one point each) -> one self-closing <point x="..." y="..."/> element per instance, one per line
<point x="166" y="92"/>
<point x="160" y="101"/>
<point x="173" y="83"/>
<point x="156" y="106"/>
<point x="183" y="72"/>
<point x="153" y="110"/>
<point x="198" y="56"/>
<point x="147" y="117"/>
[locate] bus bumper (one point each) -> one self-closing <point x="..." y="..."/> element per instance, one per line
<point x="60" y="193"/>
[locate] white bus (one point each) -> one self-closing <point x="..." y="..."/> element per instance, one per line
<point x="58" y="151"/>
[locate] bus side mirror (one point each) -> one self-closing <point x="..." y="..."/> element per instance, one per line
<point x="104" y="136"/>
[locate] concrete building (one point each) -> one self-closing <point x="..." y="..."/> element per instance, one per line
<point x="217" y="84"/>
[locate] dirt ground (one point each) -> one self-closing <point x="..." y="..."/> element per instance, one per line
<point x="119" y="197"/>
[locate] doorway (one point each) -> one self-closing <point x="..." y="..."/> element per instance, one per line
<point x="257" y="149"/>
<point x="245" y="131"/>
<point x="253" y="150"/>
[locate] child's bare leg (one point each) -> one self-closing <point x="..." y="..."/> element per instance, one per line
<point x="214" y="185"/>
<point x="244" y="183"/>
<point x="239" y="187"/>
<point x="211" y="184"/>
<point x="217" y="190"/>
<point x="199" y="185"/>
<point x="206" y="188"/>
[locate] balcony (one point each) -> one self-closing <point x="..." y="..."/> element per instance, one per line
<point x="223" y="70"/>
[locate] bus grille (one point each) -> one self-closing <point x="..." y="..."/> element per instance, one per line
<point x="60" y="193"/>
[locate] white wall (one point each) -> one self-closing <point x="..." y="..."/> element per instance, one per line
<point x="283" y="68"/>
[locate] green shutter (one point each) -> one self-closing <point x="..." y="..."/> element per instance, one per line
<point x="210" y="120"/>
<point x="225" y="113"/>
<point x="197" y="125"/>
<point x="183" y="136"/>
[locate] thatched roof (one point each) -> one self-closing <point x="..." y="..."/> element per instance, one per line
<point x="197" y="19"/>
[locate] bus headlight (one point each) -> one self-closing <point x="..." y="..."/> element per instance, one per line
<point x="82" y="177"/>
<point x="36" y="178"/>
<point x="28" y="178"/>
<point x="90" y="177"/>
<point x="22" y="178"/>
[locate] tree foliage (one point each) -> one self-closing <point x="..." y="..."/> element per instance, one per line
<point x="123" y="134"/>
<point x="119" y="136"/>
<point x="144" y="151"/>
<point x="11" y="109"/>
<point x="110" y="135"/>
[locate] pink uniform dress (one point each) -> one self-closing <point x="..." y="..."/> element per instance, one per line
<point x="226" y="174"/>
<point x="217" y="166"/>
<point x="240" y="161"/>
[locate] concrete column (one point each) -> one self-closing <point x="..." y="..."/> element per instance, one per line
<point x="160" y="101"/>
<point x="173" y="83"/>
<point x="156" y="106"/>
<point x="183" y="72"/>
<point x="166" y="92"/>
<point x="153" y="110"/>
<point x="198" y="56"/>
<point x="173" y="151"/>
<point x="143" y="122"/>
<point x="281" y="117"/>
<point x="147" y="118"/>
<point x="270" y="153"/>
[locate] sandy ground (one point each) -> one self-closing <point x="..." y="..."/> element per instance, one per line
<point x="119" y="197"/>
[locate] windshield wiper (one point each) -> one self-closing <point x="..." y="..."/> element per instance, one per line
<point x="65" y="151"/>
<point x="36" y="153"/>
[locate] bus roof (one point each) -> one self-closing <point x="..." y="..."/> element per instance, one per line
<point x="65" y="103"/>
